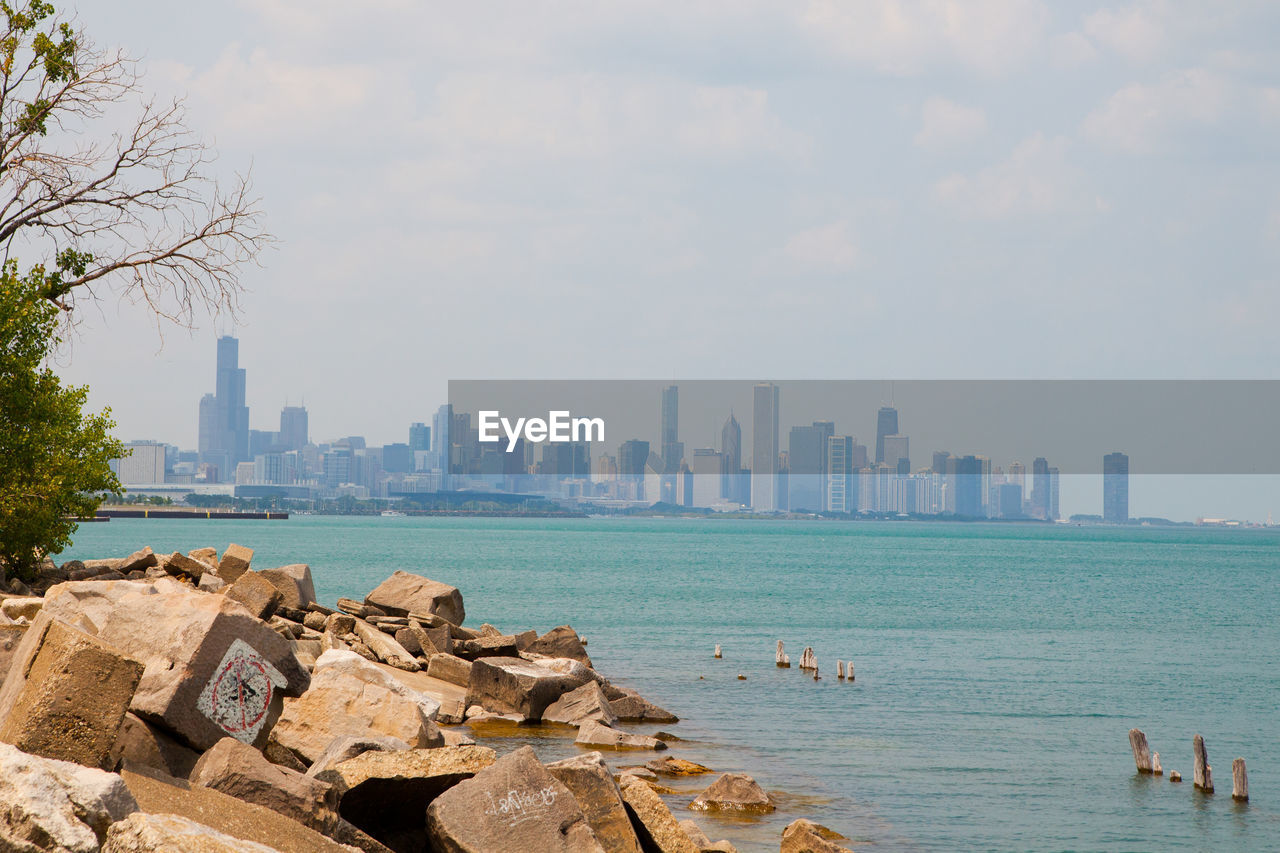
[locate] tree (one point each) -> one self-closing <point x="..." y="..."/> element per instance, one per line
<point x="138" y="210"/>
<point x="54" y="458"/>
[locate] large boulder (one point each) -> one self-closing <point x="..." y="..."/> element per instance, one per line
<point x="166" y="833"/>
<point x="350" y="696"/>
<point x="295" y="584"/>
<point x="630" y="707"/>
<point x="514" y="804"/>
<point x="404" y="593"/>
<point x="56" y="805"/>
<point x="235" y="562"/>
<point x="10" y="636"/>
<point x="345" y="748"/>
<point x="66" y="694"/>
<point x="239" y="770"/>
<point x="255" y="592"/>
<point x="143" y="745"/>
<point x="212" y="669"/>
<point x="562" y="642"/>
<point x="450" y="668"/>
<point x="386" y="794"/>
<point x="805" y="836"/>
<point x="656" y="827"/>
<point x="592" y="733"/>
<point x="516" y="686"/>
<point x="588" y="778"/>
<point x="735" y="792"/>
<point x="576" y="707"/>
<point x="385" y="647"/>
<point x="157" y="793"/>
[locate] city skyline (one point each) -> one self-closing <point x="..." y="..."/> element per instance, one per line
<point x="814" y="468"/>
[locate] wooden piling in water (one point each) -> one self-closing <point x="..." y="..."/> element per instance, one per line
<point x="808" y="660"/>
<point x="1156" y="769"/>
<point x="718" y="651"/>
<point x="1239" y="780"/>
<point x="780" y="659"/>
<point x="1203" y="775"/>
<point x="840" y="670"/>
<point x="849" y="672"/>
<point x="1141" y="752"/>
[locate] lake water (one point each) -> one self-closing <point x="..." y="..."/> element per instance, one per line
<point x="999" y="667"/>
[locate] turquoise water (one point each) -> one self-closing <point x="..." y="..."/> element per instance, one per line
<point x="999" y="668"/>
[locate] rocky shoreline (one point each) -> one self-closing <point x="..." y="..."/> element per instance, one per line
<point x="191" y="702"/>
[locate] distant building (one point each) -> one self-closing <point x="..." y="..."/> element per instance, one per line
<point x="1115" y="488"/>
<point x="968" y="486"/>
<point x="397" y="459"/>
<point x="839" y="481"/>
<point x="632" y="456"/>
<point x="1010" y="500"/>
<point x="1040" y="488"/>
<point x="806" y="464"/>
<point x="224" y="418"/>
<point x="142" y="463"/>
<point x="670" y="446"/>
<point x="897" y="452"/>
<point x="736" y="483"/>
<point x="1054" y="513"/>
<point x="419" y="437"/>
<point x="886" y="425"/>
<point x="706" y="477"/>
<point x="294" y="434"/>
<point x="764" y="447"/>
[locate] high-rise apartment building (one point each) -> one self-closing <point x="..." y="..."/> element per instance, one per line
<point x="224" y="417"/>
<point x="142" y="463"/>
<point x="1115" y="488"/>
<point x="419" y="437"/>
<point x="1040" y="488"/>
<point x="764" y="447"/>
<point x="839" y="481"/>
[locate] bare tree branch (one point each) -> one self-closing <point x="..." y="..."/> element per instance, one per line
<point x="140" y="211"/>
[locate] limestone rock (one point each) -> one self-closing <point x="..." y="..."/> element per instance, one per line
<point x="560" y="642"/>
<point x="407" y="638"/>
<point x="670" y="766"/>
<point x="733" y="792"/>
<point x="490" y="646"/>
<point x="10" y="637"/>
<point x="579" y="705"/>
<point x="143" y="745"/>
<point x="386" y="794"/>
<point x="295" y="584"/>
<point x="448" y="668"/>
<point x="21" y="607"/>
<point x="57" y="805"/>
<point x="66" y="694"/>
<point x="182" y="564"/>
<point x="805" y="836"/>
<point x="631" y="708"/>
<point x="695" y="833"/>
<point x="653" y="822"/>
<point x="212" y="668"/>
<point x="208" y="556"/>
<point x="588" y="778"/>
<point x="404" y="593"/>
<point x="209" y="582"/>
<point x="349" y="696"/>
<point x="435" y="640"/>
<point x="592" y="733"/>
<point x="256" y="593"/>
<point x="166" y="833"/>
<point x="144" y="559"/>
<point x="514" y="804"/>
<point x="385" y="647"/>
<point x="157" y="793"/>
<point x="512" y="685"/>
<point x="235" y="562"/>
<point x="239" y="770"/>
<point x="453" y="737"/>
<point x="345" y="748"/>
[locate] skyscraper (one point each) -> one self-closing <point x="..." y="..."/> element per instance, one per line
<point x="224" y="418"/>
<point x="840" y="474"/>
<point x="672" y="449"/>
<point x="764" y="447"/>
<point x="886" y="424"/>
<point x="419" y="437"/>
<point x="733" y="488"/>
<point x="294" y="431"/>
<point x="1040" y="488"/>
<point x="968" y="486"/>
<point x="1115" y="488"/>
<point x="806" y="447"/>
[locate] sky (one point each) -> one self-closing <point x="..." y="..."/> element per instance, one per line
<point x="803" y="189"/>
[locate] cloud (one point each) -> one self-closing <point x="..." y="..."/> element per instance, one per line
<point x="1140" y="117"/>
<point x="1136" y="32"/>
<point x="945" y="123"/>
<point x="909" y="37"/>
<point x="827" y="248"/>
<point x="1036" y="179"/>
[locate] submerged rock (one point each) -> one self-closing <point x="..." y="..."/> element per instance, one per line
<point x="593" y="733"/>
<point x="805" y="836"/>
<point x="733" y="792"/>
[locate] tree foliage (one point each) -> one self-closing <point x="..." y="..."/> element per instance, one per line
<point x="54" y="458"/>
<point x="136" y="208"/>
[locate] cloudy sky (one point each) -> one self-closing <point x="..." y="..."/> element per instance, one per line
<point x="907" y="188"/>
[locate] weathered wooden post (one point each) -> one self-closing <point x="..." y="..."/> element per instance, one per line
<point x="1175" y="776"/>
<point x="781" y="659"/>
<point x="786" y="661"/>
<point x="1203" y="772"/>
<point x="1156" y="769"/>
<point x="1141" y="752"/>
<point x="808" y="660"/>
<point x="1239" y="780"/>
<point x="718" y="651"/>
<point x="849" y="671"/>
<point x="840" y="670"/>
